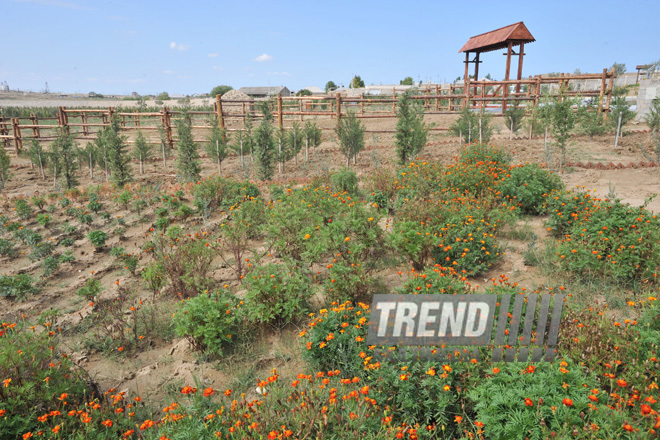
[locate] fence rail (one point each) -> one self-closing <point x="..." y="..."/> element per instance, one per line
<point x="85" y="124"/>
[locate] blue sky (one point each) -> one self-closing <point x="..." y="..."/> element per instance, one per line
<point x="187" y="47"/>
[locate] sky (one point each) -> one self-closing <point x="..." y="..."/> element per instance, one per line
<point x="188" y="47"/>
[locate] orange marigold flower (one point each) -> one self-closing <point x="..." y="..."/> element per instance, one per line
<point x="622" y="383"/>
<point x="627" y="427"/>
<point x="496" y="370"/>
<point x="529" y="402"/>
<point x="209" y="392"/>
<point x="63" y="396"/>
<point x="107" y="423"/>
<point x="567" y="402"/>
<point x="458" y="419"/>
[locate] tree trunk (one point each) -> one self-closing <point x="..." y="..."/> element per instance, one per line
<point x="41" y="165"/>
<point x="91" y="168"/>
<point x="306" y="150"/>
<point x="295" y="150"/>
<point x="242" y="158"/>
<point x="348" y="160"/>
<point x="141" y="165"/>
<point x="162" y="144"/>
<point x="279" y="158"/>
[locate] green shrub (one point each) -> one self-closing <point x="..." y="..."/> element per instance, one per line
<point x="41" y="380"/>
<point x="209" y="321"/>
<point x="67" y="242"/>
<point x="17" y="287"/>
<point x="7" y="248"/>
<point x="67" y="257"/>
<point x="98" y="239"/>
<point x="50" y="265"/>
<point x="152" y="274"/>
<point x="124" y="198"/>
<point x="28" y="236"/>
<point x="527" y="186"/>
<point x="40" y="251"/>
<point x="38" y="202"/>
<point x="276" y="294"/>
<point x="345" y="180"/>
<point x="90" y="290"/>
<point x="415" y="241"/>
<point x="43" y="220"/>
<point x="23" y="209"/>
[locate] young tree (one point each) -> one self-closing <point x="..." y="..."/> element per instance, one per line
<point x="312" y="135"/>
<point x="63" y="156"/>
<point x="89" y="155"/>
<point x="620" y="107"/>
<point x="411" y="132"/>
<point x="4" y="167"/>
<point x="563" y="121"/>
<point x="120" y="161"/>
<point x="295" y="141"/>
<point x="216" y="148"/>
<point x="357" y="82"/>
<point x="102" y="152"/>
<point x="513" y="117"/>
<point x="591" y="121"/>
<point x="407" y="81"/>
<point x="330" y="86"/>
<point x="141" y="150"/>
<point x="468" y="127"/>
<point x="652" y="119"/>
<point x="350" y="132"/>
<point x="162" y="134"/>
<point x="187" y="161"/>
<point x="304" y="92"/>
<point x="283" y="153"/>
<point x="38" y="156"/>
<point x="619" y="68"/>
<point x="264" y="149"/>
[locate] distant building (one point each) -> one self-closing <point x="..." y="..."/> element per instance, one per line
<point x="265" y="92"/>
<point x="315" y="90"/>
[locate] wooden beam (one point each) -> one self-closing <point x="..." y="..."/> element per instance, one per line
<point x="506" y="75"/>
<point x="218" y="109"/>
<point x="520" y="65"/>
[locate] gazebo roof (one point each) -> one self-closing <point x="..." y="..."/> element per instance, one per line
<point x="499" y="38"/>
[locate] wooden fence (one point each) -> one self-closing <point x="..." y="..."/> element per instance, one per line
<point x="84" y="124"/>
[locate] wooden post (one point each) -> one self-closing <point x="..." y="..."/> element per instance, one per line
<point x="476" y="75"/>
<point x="300" y="107"/>
<point x="537" y="91"/>
<point x="338" y="113"/>
<point x="167" y="123"/>
<point x="609" y="93"/>
<point x="602" y="90"/>
<point x="362" y="104"/>
<point x="483" y="95"/>
<point x="437" y="98"/>
<point x="520" y="65"/>
<point x="466" y="91"/>
<point x="83" y="119"/>
<point x="506" y="75"/>
<point x="466" y="79"/>
<point x="63" y="119"/>
<point x="136" y="119"/>
<point x="450" y="100"/>
<point x="18" y="142"/>
<point x="35" y="130"/>
<point x="243" y="111"/>
<point x="618" y="130"/>
<point x="218" y="106"/>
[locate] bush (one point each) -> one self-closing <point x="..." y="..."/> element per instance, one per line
<point x="91" y="289"/>
<point x="98" y="239"/>
<point x="276" y="294"/>
<point x="23" y="209"/>
<point x="350" y="133"/>
<point x="43" y="220"/>
<point x="17" y="287"/>
<point x="217" y="192"/>
<point x="7" y="248"/>
<point x="411" y="132"/>
<point x="345" y="180"/>
<point x="209" y="321"/>
<point x="527" y="186"/>
<point x="467" y="126"/>
<point x="39" y="380"/>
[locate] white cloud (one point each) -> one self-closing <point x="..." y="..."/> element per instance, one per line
<point x="263" y="57"/>
<point x="213" y="55"/>
<point x="168" y="72"/>
<point x="179" y="46"/>
<point x="218" y="68"/>
<point x="278" y="73"/>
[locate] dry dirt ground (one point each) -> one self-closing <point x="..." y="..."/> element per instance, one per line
<point x="168" y="364"/>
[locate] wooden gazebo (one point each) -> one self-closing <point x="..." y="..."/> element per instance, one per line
<point x="506" y="37"/>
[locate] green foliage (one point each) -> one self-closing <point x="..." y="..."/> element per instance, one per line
<point x="7" y="248"/>
<point x="276" y="294"/>
<point x="411" y="132"/>
<point x="125" y="198"/>
<point x="216" y="148"/>
<point x="38" y="156"/>
<point x="41" y="380"/>
<point x="528" y="186"/>
<point x="330" y="86"/>
<point x="97" y="238"/>
<point x="23" y="209"/>
<point x="63" y="160"/>
<point x="502" y="409"/>
<point x="264" y="149"/>
<point x="220" y="193"/>
<point x="93" y="204"/>
<point x="163" y="96"/>
<point x="345" y="180"/>
<point x="17" y="287"/>
<point x="118" y="158"/>
<point x="514" y="117"/>
<point x="187" y="161"/>
<point x="652" y="118"/>
<point x="467" y="126"/>
<point x="220" y="90"/>
<point x="592" y="122"/>
<point x="312" y="134"/>
<point x="295" y="138"/>
<point x="304" y="92"/>
<point x="152" y="274"/>
<point x="620" y="107"/>
<point x="350" y="133"/>
<point x="209" y="321"/>
<point x="563" y="120"/>
<point x="5" y="165"/>
<point x="38" y="202"/>
<point x="407" y="81"/>
<point x="356" y="82"/>
<point x="619" y="68"/>
<point x="50" y="265"/>
<point x="415" y="241"/>
<point x="142" y="150"/>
